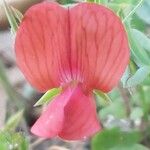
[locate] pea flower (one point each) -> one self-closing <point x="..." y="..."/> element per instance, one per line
<point x="78" y="48"/>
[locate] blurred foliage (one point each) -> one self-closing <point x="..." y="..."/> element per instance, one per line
<point x="130" y="107"/>
<point x="9" y="138"/>
<point x="13" y="141"/>
<point x="115" y="139"/>
<point x="13" y="121"/>
<point x="144" y="11"/>
<point x="126" y="107"/>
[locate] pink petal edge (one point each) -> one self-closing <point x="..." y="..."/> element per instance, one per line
<point x="71" y="116"/>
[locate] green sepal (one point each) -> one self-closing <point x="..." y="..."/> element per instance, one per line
<point x="48" y="96"/>
<point x="103" y="95"/>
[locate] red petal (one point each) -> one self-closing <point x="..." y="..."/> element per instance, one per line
<point x="51" y="121"/>
<point x="87" y="43"/>
<point x="42" y="44"/>
<point x="99" y="46"/>
<point x="72" y="116"/>
<point x="80" y="119"/>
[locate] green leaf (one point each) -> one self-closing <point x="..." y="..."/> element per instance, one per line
<point x="115" y="139"/>
<point x="117" y="7"/>
<point x="11" y="18"/>
<point x="3" y="142"/>
<point x="137" y="51"/>
<point x="144" y="11"/>
<point x="48" y="96"/>
<point x="146" y="81"/>
<point x="129" y="15"/>
<point x="104" y="96"/>
<point x="13" y="121"/>
<point x="125" y="76"/>
<point x="14" y="141"/>
<point x="19" y="141"/>
<point x="137" y="23"/>
<point x="138" y="77"/>
<point x="142" y="39"/>
<point x="17" y="14"/>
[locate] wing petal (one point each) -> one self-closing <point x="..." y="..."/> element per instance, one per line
<point x="99" y="46"/>
<point x="42" y="45"/>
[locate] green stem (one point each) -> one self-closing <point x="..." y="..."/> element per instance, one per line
<point x="126" y="100"/>
<point x="133" y="11"/>
<point x="143" y="102"/>
<point x="13" y="95"/>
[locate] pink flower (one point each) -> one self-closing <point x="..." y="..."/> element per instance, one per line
<point x="80" y="49"/>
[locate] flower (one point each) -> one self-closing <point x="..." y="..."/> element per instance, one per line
<point x="79" y="48"/>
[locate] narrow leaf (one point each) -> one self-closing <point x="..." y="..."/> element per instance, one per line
<point x="136" y="50"/>
<point x="48" y="96"/>
<point x="11" y="18"/>
<point x="17" y="14"/>
<point x="104" y="96"/>
<point x="13" y="121"/>
<point x="133" y="10"/>
<point x="144" y="11"/>
<point x="138" y="77"/>
<point x="143" y="40"/>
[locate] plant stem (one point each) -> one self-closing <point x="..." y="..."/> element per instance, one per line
<point x="143" y="102"/>
<point x="13" y="95"/>
<point x="124" y="94"/>
<point x="132" y="11"/>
